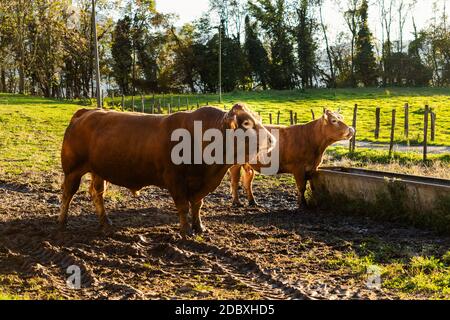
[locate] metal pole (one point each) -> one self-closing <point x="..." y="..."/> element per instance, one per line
<point x="97" y="63"/>
<point x="220" y="62"/>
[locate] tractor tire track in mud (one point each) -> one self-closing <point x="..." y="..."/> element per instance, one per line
<point x="268" y="253"/>
<point x="244" y="270"/>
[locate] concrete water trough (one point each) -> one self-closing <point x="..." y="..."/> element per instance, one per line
<point x="420" y="201"/>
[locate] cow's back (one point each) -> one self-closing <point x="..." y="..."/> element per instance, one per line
<point x="134" y="150"/>
<point x="124" y="148"/>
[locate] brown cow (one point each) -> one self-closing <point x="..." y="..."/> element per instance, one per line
<point x="134" y="151"/>
<point x="301" y="149"/>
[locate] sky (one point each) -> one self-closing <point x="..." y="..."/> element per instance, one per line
<point x="189" y="10"/>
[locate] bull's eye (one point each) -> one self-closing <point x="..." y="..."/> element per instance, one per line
<point x="247" y="124"/>
<point x="334" y="121"/>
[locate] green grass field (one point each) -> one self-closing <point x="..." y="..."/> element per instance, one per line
<point x="31" y="133"/>
<point x="302" y="102"/>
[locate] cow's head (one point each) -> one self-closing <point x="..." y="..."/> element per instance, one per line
<point x="335" y="129"/>
<point x="243" y="121"/>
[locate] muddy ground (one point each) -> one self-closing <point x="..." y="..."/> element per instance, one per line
<point x="271" y="252"/>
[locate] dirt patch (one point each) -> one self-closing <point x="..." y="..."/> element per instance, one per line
<point x="272" y="252"/>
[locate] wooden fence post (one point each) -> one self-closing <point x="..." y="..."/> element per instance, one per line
<point x="391" y="144"/>
<point x="377" y="122"/>
<point x="270" y="118"/>
<point x="132" y="103"/>
<point x="295" y="118"/>
<point x="159" y="105"/>
<point x="143" y="103"/>
<point x="112" y="98"/>
<point x="278" y="117"/>
<point x="352" y="146"/>
<point x="433" y="125"/>
<point x="291" y="114"/>
<point x="425" y="133"/>
<point x="123" y="102"/>
<point x="152" y="106"/>
<point x="407" y="121"/>
<point x="169" y="108"/>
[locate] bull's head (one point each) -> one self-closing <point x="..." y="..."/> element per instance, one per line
<point x="335" y="129"/>
<point x="246" y="123"/>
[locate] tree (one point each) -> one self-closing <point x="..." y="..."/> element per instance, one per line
<point x="256" y="55"/>
<point x="365" y="62"/>
<point x="121" y="51"/>
<point x="273" y="17"/>
<point x="331" y="79"/>
<point x="183" y="71"/>
<point x="306" y="46"/>
<point x="351" y="18"/>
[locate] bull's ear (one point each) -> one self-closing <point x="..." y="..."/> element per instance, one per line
<point x="239" y="107"/>
<point x="231" y="120"/>
<point x="326" y="114"/>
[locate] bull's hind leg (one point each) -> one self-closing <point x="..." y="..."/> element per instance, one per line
<point x="197" y="224"/>
<point x="249" y="175"/>
<point x="97" y="191"/>
<point x="300" y="179"/>
<point x="70" y="187"/>
<point x="235" y="177"/>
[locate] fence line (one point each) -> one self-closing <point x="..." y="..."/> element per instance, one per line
<point x="162" y="104"/>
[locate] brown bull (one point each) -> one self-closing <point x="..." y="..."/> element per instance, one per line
<point x="134" y="151"/>
<point x="301" y="149"/>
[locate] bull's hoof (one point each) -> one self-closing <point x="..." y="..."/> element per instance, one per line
<point x="62" y="225"/>
<point x="106" y="226"/>
<point x="302" y="207"/>
<point x="186" y="232"/>
<point x="237" y="204"/>
<point x="199" y="228"/>
<point x="252" y="203"/>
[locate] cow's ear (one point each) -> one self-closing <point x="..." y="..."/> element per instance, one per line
<point x="326" y="114"/>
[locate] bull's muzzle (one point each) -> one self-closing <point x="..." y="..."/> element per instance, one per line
<point x="351" y="132"/>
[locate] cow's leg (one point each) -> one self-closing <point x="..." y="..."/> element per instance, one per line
<point x="97" y="191"/>
<point x="197" y="224"/>
<point x="300" y="179"/>
<point x="70" y="187"/>
<point x="235" y="176"/>
<point x="249" y="175"/>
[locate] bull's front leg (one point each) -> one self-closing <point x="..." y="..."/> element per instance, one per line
<point x="300" y="179"/>
<point x="183" y="213"/>
<point x="197" y="224"/>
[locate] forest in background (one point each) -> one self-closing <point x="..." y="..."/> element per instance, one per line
<point x="46" y="47"/>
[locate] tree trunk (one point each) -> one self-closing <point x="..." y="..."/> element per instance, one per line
<point x="330" y="58"/>
<point x="2" y="80"/>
